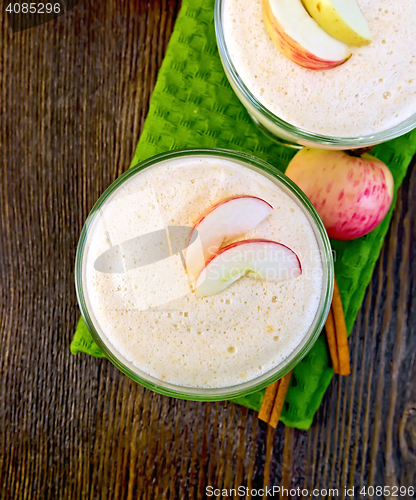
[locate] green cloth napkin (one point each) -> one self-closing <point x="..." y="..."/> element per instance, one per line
<point x="193" y="105"/>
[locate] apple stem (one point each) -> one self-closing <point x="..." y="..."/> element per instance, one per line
<point x="360" y="151"/>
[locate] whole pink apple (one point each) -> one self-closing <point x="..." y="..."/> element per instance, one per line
<point x="352" y="194"/>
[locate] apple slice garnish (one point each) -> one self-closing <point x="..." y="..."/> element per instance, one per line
<point x="226" y="220"/>
<point x="300" y="38"/>
<point x="259" y="259"/>
<point x="341" y="19"/>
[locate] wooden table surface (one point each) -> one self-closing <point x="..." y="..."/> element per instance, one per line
<point x="73" y="98"/>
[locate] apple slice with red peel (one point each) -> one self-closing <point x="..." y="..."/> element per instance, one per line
<point x="259" y="259"/>
<point x="300" y="38"/>
<point x="222" y="222"/>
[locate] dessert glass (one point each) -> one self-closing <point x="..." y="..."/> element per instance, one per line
<point x="206" y="394"/>
<point x="282" y="131"/>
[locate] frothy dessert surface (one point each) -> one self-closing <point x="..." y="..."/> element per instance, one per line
<point x="372" y="91"/>
<point x="149" y="314"/>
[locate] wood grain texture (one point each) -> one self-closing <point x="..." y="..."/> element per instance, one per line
<point x="74" y="95"/>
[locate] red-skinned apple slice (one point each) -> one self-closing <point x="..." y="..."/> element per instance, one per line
<point x="300" y="38"/>
<point x="224" y="221"/>
<point x="259" y="259"/>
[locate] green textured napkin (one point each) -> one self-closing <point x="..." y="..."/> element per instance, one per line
<point x="193" y="105"/>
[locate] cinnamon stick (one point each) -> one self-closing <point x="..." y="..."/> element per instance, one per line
<point x="340" y="332"/>
<point x="268" y="401"/>
<point x="280" y="399"/>
<point x="332" y="340"/>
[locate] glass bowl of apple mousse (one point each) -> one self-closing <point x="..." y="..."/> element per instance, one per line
<point x="331" y="74"/>
<point x="204" y="274"/>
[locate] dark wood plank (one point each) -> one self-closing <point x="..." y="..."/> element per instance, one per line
<point x="73" y="99"/>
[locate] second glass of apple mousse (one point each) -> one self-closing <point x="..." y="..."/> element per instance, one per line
<point x="368" y="98"/>
<point x="204" y="274"/>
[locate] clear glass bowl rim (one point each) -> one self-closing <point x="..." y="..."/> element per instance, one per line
<point x="201" y="394"/>
<point x="302" y="134"/>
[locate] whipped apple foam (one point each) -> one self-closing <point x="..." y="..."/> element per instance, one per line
<point x="372" y="91"/>
<point x="148" y="312"/>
